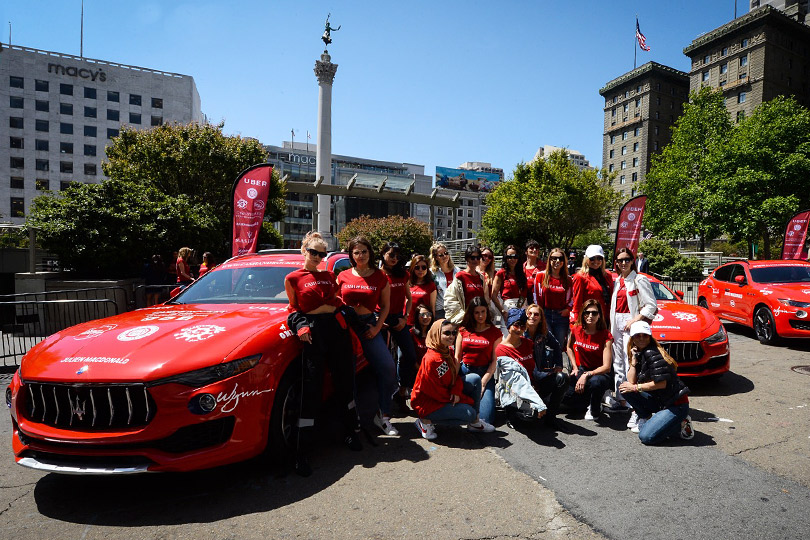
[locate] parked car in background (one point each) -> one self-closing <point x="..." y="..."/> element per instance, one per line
<point x="206" y="379"/>
<point x="772" y="297"/>
<point x="692" y="335"/>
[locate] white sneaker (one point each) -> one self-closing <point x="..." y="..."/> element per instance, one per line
<point x="687" y="432"/>
<point x="481" y="427"/>
<point x="385" y="425"/>
<point x="610" y="402"/>
<point x="426" y="430"/>
<point x="633" y="422"/>
<point x="637" y="427"/>
<point x="589" y="414"/>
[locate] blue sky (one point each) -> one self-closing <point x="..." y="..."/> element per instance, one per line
<point x="426" y="82"/>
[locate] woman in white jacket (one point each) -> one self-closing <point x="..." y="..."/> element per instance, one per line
<point x="633" y="300"/>
<point x="444" y="271"/>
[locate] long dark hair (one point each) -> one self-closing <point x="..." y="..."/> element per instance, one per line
<point x="632" y="256"/>
<point x="520" y="275"/>
<point x="469" y="320"/>
<point x="360" y="241"/>
<point x="416" y="259"/>
<point x="601" y="324"/>
<point x="398" y="270"/>
<point x="417" y="324"/>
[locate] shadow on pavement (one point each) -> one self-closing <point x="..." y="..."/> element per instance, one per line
<point x="728" y="384"/>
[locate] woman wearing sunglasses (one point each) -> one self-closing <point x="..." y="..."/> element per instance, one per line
<point x="467" y="285"/>
<point x="423" y="287"/>
<point x="533" y="264"/>
<point x="553" y="291"/>
<point x="550" y="381"/>
<point x="513" y="382"/>
<point x="366" y="289"/>
<point x="633" y="300"/>
<point x="444" y="271"/>
<point x="591" y="282"/>
<point x="419" y="331"/>
<point x="442" y="394"/>
<point x="475" y="349"/>
<point x="313" y="295"/>
<point x="509" y="287"/>
<point x="487" y="267"/>
<point x="590" y="346"/>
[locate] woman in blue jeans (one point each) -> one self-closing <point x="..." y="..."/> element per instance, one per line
<point x="552" y="291"/>
<point x="654" y="390"/>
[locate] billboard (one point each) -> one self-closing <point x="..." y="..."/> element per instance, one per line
<point x="464" y="180"/>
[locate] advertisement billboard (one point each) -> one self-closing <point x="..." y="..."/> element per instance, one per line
<point x="464" y="180"/>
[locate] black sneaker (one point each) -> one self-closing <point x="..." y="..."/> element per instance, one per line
<point x="353" y="441"/>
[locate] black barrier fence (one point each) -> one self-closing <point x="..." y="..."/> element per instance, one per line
<point x="688" y="288"/>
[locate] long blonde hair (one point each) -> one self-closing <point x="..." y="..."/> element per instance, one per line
<point x="671" y="361"/>
<point x="434" y="262"/>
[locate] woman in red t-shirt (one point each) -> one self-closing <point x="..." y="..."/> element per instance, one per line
<point x="592" y="281"/>
<point x="366" y="289"/>
<point x="553" y="292"/>
<point x="475" y="349"/>
<point x="533" y="263"/>
<point x="327" y="343"/>
<point x="510" y="282"/>
<point x="590" y="346"/>
<point x="423" y="288"/>
<point x="184" y="277"/>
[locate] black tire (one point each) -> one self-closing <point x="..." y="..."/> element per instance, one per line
<point x="283" y="430"/>
<point x="765" y="326"/>
<point x="702" y="303"/>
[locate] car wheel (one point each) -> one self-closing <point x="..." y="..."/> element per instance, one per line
<point x="702" y="303"/>
<point x="284" y="418"/>
<point x="765" y="326"/>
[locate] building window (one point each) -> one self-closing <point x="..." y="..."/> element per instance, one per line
<point x="705" y="76"/>
<point x="66" y="89"/>
<point x="655" y="129"/>
<point x="16" y="162"/>
<point x="633" y="192"/>
<point x="740" y="116"/>
<point x="89" y="149"/>
<point x="42" y="145"/>
<point x="41" y="86"/>
<point x="89" y="93"/>
<point x="624" y="165"/>
<point x="112" y="132"/>
<point x="66" y="167"/>
<point x="469" y="225"/>
<point x="638" y="103"/>
<point x="89" y="131"/>
<point x="638" y="89"/>
<point x="657" y="115"/>
<point x="42" y="125"/>
<point x="634" y="177"/>
<point x="635" y="147"/>
<point x="622" y="179"/>
<point x="64" y="184"/>
<point x="637" y="132"/>
<point x="157" y="120"/>
<point x="16" y="82"/>
<point x="724" y="51"/>
<point x="90" y="112"/>
<point x="15" y="122"/>
<point x="157" y="103"/>
<point x="135" y="99"/>
<point x="744" y="42"/>
<point x="113" y="96"/>
<point x="612" y="137"/>
<point x="741" y="97"/>
<point x="613" y="111"/>
<point x="16" y="142"/>
<point x="722" y="83"/>
<point x="42" y="105"/>
<point x="65" y="128"/>
<point x="744" y="61"/>
<point x="724" y="68"/>
<point x="743" y="75"/>
<point x="113" y="115"/>
<point x="707" y="59"/>
<point x="655" y="145"/>
<point x="66" y="108"/>
<point x="16" y="102"/>
<point x="610" y="167"/>
<point x="90" y="169"/>
<point x="627" y="93"/>
<point x="17" y="207"/>
<point x="624" y="150"/>
<point x="17" y="182"/>
<point x="42" y="184"/>
<point x="134" y="118"/>
<point x="624" y="135"/>
<point x="43" y="165"/>
<point x="611" y="153"/>
<point x="65" y="148"/>
<point x="635" y="162"/>
<point x="626" y="107"/>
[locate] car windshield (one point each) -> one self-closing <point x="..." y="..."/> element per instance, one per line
<point x="260" y="285"/>
<point x="781" y="274"/>
<point x="662" y="293"/>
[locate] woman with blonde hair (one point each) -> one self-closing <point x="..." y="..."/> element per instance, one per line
<point x="487" y="267"/>
<point x="184" y="277"/>
<point x="444" y="271"/>
<point x="553" y="292"/>
<point x="654" y="389"/>
<point x="592" y="281"/>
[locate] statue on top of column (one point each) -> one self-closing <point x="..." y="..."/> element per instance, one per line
<point x="327" y="33"/>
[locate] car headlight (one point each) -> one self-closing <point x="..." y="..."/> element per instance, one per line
<point x="718" y="336"/>
<point x="206" y="376"/>
<point x="793" y="303"/>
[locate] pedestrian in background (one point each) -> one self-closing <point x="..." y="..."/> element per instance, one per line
<point x="184" y="277"/>
<point x="643" y="263"/>
<point x="154" y="276"/>
<point x="444" y="271"/>
<point x="207" y="263"/>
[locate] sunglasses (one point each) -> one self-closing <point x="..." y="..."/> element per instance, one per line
<point x="624" y="260"/>
<point x="474" y="258"/>
<point x="359" y="252"/>
<point x="510" y="256"/>
<point x="557" y="258"/>
<point x="486" y="256"/>
<point x="519" y="324"/>
<point x="392" y="255"/>
<point x="445" y="254"/>
<point x="426" y="314"/>
<point x="316" y="253"/>
<point x="450" y="333"/>
<point x="591" y="314"/>
<point x="420" y="267"/>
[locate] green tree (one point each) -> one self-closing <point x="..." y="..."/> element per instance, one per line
<point x="684" y="184"/>
<point x="412" y="235"/>
<point x="666" y="260"/>
<point x="195" y="160"/>
<point x="110" y="229"/>
<point x="550" y="200"/>
<point x="769" y="180"/>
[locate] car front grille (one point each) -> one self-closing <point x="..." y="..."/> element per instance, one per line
<point x="799" y="325"/>
<point x="88" y="407"/>
<point x="683" y="351"/>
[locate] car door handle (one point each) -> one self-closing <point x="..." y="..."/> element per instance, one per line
<point x="727" y="290"/>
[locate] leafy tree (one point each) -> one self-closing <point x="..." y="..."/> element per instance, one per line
<point x="412" y="235"/>
<point x="684" y="184"/>
<point x="769" y="182"/>
<point x="550" y="200"/>
<point x="195" y="160"/>
<point x="666" y="260"/>
<point x="269" y="235"/>
<point x="109" y="229"/>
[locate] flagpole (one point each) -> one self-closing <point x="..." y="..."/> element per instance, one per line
<point x="635" y="39"/>
<point x="81" y="38"/>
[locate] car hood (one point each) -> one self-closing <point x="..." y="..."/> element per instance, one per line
<point x="152" y="343"/>
<point x="793" y="291"/>
<point x="679" y="321"/>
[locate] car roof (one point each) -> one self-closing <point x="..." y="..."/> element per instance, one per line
<point x="281" y="256"/>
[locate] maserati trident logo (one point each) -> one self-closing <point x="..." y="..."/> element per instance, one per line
<point x="77" y="409"/>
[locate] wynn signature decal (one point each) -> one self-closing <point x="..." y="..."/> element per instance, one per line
<point x="231" y="400"/>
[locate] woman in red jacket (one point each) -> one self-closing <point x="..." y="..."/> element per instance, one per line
<point x="441" y="394"/>
<point x="592" y="281"/>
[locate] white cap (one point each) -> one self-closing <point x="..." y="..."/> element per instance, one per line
<point x="594" y="250"/>
<point x="640" y="327"/>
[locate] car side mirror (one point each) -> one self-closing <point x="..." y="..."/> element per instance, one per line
<point x="740" y="280"/>
<point x="680" y="294"/>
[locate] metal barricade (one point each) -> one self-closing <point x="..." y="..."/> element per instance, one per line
<point x="688" y="288"/>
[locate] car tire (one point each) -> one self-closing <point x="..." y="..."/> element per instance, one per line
<point x="765" y="326"/>
<point x="702" y="303"/>
<point x="284" y="417"/>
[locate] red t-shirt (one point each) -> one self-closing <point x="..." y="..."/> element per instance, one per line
<point x="397" y="300"/>
<point x="476" y="347"/>
<point x="621" y="298"/>
<point x="313" y="289"/>
<point x="420" y="296"/>
<point x="588" y="348"/>
<point x="182" y="268"/>
<point x="418" y="345"/>
<point x="473" y="285"/>
<point x="584" y="287"/>
<point x="531" y="275"/>
<point x="510" y="287"/>
<point x="434" y="385"/>
<point x="362" y="291"/>
<point x="524" y="353"/>
<point x="448" y="276"/>
<point x="556" y="295"/>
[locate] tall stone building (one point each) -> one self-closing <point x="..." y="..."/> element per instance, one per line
<point x="754" y="58"/>
<point x="795" y="9"/>
<point x="640" y="108"/>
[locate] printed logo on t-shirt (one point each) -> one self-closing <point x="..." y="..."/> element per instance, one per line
<point x="442" y="369"/>
<point x="588" y="346"/>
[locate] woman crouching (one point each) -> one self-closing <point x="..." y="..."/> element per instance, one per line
<point x="654" y="390"/>
<point x="441" y="395"/>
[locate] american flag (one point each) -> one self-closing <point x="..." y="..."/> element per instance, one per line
<point x="642" y="41"/>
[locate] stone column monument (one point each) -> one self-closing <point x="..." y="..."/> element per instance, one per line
<point x="325" y="72"/>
